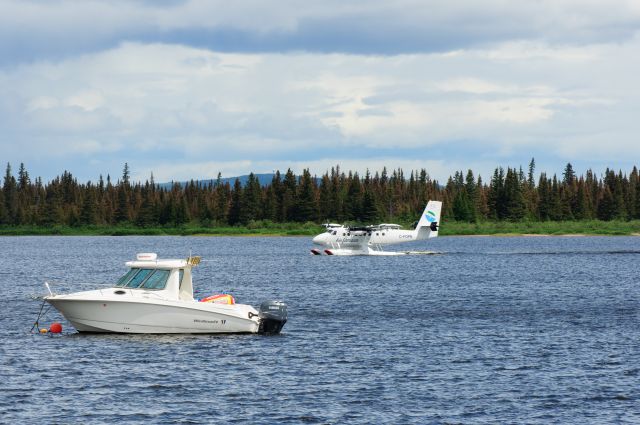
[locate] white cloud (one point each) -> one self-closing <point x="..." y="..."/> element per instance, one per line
<point x="177" y="107"/>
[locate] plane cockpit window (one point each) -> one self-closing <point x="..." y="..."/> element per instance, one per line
<point x="334" y="233"/>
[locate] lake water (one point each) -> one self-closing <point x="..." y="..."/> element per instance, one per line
<point x="492" y="330"/>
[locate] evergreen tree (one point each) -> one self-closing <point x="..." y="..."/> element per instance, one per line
<point x="606" y="205"/>
<point x="513" y="199"/>
<point x="581" y="209"/>
<point x="89" y="212"/>
<point x="122" y="213"/>
<point x="3" y="209"/>
<point x="306" y="203"/>
<point x="355" y="196"/>
<point x="251" y="201"/>
<point x="637" y="200"/>
<point x="52" y="213"/>
<point x="472" y="193"/>
<point x="531" y="179"/>
<point x="125" y="174"/>
<point x="369" y="208"/>
<point x="235" y="209"/>
<point x="147" y="213"/>
<point x="182" y="212"/>
<point x="544" y="198"/>
<point x="495" y="197"/>
<point x="325" y="198"/>
<point x="288" y="198"/>
<point x="10" y="190"/>
<point x="568" y="175"/>
<point x="462" y="206"/>
<point x="270" y="204"/>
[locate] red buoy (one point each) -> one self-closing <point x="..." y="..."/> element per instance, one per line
<point x="55" y="328"/>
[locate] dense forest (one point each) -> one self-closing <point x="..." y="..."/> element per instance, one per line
<point x="510" y="195"/>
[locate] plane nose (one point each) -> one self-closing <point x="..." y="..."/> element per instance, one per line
<point x="318" y="240"/>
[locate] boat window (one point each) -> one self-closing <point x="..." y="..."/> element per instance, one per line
<point x="180" y="277"/>
<point x="124" y="279"/>
<point x="158" y="280"/>
<point x="138" y="278"/>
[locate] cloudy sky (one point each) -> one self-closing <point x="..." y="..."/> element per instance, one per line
<point x="187" y="89"/>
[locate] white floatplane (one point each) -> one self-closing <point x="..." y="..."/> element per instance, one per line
<point x="369" y="240"/>
<point x="156" y="297"/>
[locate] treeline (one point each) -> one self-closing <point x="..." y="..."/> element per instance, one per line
<point x="510" y="195"/>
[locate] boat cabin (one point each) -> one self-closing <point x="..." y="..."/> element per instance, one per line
<point x="171" y="278"/>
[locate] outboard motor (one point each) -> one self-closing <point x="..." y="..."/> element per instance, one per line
<point x="273" y="316"/>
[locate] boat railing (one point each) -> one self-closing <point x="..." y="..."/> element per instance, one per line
<point x="69" y="286"/>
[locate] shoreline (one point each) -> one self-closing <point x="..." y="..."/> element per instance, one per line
<point x="285" y="235"/>
<point x="453" y="229"/>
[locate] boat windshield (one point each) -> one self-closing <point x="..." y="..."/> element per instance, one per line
<point x="144" y="278"/>
<point x="157" y="280"/>
<point x="127" y="277"/>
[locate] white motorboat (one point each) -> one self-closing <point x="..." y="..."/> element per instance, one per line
<point x="156" y="297"/>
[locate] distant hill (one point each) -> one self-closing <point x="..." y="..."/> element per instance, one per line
<point x="263" y="179"/>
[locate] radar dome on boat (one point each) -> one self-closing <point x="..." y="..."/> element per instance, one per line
<point x="147" y="256"/>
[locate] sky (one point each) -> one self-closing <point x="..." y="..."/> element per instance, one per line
<point x="188" y="89"/>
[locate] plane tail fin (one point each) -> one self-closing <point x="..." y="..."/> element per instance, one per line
<point x="429" y="222"/>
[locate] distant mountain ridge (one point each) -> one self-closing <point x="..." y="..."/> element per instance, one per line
<point x="263" y="179"/>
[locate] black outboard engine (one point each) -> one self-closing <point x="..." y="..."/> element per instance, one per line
<point x="273" y="316"/>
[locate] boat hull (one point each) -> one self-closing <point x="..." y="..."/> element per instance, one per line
<point x="105" y="316"/>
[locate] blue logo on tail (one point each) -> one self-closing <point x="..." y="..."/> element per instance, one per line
<point x="430" y="216"/>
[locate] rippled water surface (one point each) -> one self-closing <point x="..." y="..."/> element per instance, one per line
<point x="492" y="330"/>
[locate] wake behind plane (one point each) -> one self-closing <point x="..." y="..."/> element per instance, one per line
<point x="369" y="240"/>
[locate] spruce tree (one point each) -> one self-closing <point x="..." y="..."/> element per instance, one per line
<point x="495" y="197"/>
<point x="235" y="211"/>
<point x="306" y="203"/>
<point x="251" y="200"/>
<point x="514" y="205"/>
<point x="324" y="203"/>
<point x="369" y="207"/>
<point x="288" y="199"/>
<point x="606" y="205"/>
<point x="10" y="190"/>
<point x="354" y="196"/>
<point x="89" y="211"/>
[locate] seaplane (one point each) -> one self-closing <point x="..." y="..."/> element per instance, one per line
<point x="340" y="239"/>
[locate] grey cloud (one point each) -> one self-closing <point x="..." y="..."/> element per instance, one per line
<point x="31" y="31"/>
